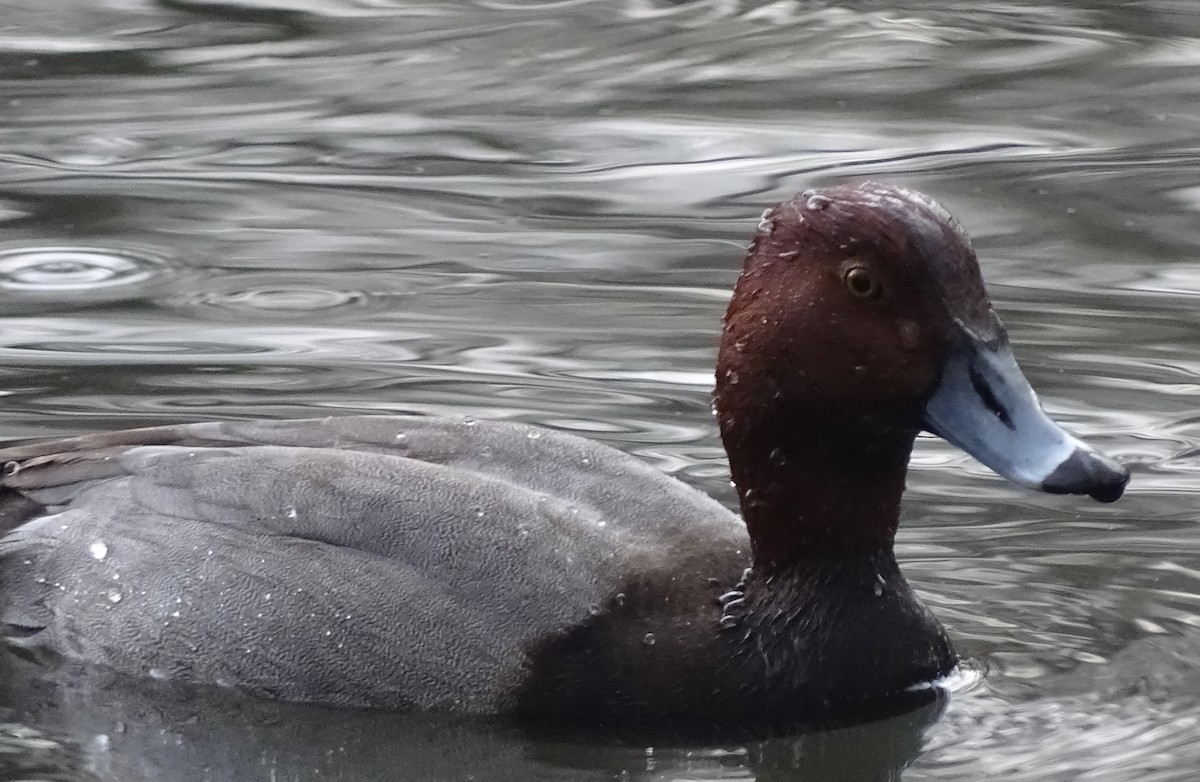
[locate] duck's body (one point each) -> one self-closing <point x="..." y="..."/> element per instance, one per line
<point x="362" y="561"/>
<point x="493" y="568"/>
<point x="392" y="562"/>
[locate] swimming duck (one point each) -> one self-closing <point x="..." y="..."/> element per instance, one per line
<point x="491" y="568"/>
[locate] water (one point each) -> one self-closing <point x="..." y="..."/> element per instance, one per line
<point x="534" y="210"/>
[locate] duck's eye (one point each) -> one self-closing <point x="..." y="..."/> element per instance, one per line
<point x="862" y="283"/>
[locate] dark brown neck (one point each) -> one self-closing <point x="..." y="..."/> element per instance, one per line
<point x="813" y="488"/>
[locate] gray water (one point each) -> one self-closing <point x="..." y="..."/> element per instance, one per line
<point x="534" y="210"/>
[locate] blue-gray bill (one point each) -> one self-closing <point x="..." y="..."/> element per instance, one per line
<point x="985" y="406"/>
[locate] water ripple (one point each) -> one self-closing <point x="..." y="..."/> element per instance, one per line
<point x="71" y="277"/>
<point x="270" y="296"/>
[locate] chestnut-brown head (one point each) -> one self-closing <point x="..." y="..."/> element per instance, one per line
<point x="846" y="306"/>
<point x="859" y="319"/>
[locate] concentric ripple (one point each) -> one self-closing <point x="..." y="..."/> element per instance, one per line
<point x="276" y="296"/>
<point x="66" y="276"/>
<point x="292" y="299"/>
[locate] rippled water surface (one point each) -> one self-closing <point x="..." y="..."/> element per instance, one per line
<point x="534" y="210"/>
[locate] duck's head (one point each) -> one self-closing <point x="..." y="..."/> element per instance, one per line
<point x="861" y="318"/>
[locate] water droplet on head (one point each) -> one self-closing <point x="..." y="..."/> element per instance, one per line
<point x="818" y="202"/>
<point x="98" y="550"/>
<point x="290" y="512"/>
<point x="114" y="595"/>
<point x="648" y="639"/>
<point x="619" y="598"/>
<point x="468" y="421"/>
<point x="728" y="622"/>
<point x="909" y="335"/>
<point x="777" y="456"/>
<point x="533" y="434"/>
<point x="765" y="224"/>
<point x="731" y="376"/>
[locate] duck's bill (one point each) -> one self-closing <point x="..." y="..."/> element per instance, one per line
<point x="984" y="405"/>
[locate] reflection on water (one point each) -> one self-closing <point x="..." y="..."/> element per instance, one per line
<point x="535" y="211"/>
<point x="147" y="730"/>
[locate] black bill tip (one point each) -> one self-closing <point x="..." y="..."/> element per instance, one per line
<point x="1088" y="472"/>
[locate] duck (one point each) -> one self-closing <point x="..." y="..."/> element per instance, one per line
<point x="498" y="570"/>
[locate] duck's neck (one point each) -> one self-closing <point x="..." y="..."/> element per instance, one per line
<point x="813" y="487"/>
